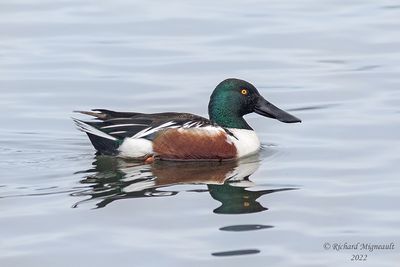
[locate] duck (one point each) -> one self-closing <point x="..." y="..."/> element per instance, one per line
<point x="184" y="136"/>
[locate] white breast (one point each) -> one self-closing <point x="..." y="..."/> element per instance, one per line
<point x="247" y="142"/>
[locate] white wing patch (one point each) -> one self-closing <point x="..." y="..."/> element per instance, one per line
<point x="118" y="132"/>
<point x="171" y="125"/>
<point x="192" y="124"/>
<point x="150" y="130"/>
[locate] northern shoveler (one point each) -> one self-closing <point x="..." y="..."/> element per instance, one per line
<point x="184" y="136"/>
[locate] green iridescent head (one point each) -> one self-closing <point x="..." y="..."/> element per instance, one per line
<point x="234" y="98"/>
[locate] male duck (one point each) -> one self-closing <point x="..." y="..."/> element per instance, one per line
<point x="183" y="136"/>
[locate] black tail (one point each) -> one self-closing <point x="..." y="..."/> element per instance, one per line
<point x="103" y="145"/>
<point x="103" y="142"/>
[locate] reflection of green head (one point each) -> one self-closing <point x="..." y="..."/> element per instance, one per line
<point x="237" y="200"/>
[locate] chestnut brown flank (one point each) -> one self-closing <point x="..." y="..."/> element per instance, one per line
<point x="193" y="144"/>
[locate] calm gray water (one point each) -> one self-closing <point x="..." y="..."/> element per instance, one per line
<point x="332" y="179"/>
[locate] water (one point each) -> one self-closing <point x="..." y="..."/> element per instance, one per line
<point x="332" y="179"/>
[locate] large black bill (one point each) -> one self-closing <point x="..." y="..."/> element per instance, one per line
<point x="264" y="108"/>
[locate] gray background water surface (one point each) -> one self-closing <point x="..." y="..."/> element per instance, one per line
<point x="334" y="64"/>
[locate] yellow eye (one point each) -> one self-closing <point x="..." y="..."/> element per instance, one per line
<point x="244" y="92"/>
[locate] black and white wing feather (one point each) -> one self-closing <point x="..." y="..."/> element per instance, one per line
<point x="120" y="125"/>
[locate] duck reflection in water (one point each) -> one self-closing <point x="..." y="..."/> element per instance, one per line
<point x="228" y="182"/>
